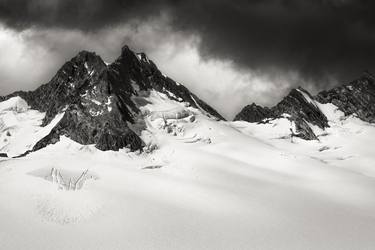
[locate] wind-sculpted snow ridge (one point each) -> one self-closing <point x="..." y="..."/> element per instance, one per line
<point x="302" y="109"/>
<point x="97" y="100"/>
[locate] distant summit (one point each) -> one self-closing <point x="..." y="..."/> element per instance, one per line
<point x="299" y="106"/>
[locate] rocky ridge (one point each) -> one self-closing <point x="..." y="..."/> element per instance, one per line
<point x="299" y="106"/>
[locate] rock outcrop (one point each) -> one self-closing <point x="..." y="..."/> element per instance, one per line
<point x="254" y="113"/>
<point x="355" y="98"/>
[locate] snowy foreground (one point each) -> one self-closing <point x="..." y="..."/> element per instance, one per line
<point x="209" y="185"/>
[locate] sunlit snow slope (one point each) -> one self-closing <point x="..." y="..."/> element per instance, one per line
<point x="200" y="184"/>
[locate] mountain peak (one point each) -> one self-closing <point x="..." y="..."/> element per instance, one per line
<point x="103" y="105"/>
<point x="355" y="98"/>
<point x="300" y="107"/>
<point x="125" y="48"/>
<point x="85" y="54"/>
<point x="86" y="57"/>
<point x="253" y="113"/>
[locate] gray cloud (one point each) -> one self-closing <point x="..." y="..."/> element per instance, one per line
<point x="32" y="57"/>
<point x="316" y="37"/>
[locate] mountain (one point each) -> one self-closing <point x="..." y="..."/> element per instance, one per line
<point x="101" y="104"/>
<point x="302" y="109"/>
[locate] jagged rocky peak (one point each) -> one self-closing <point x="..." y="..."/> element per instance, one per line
<point x="355" y="98"/>
<point x="298" y="106"/>
<point x="99" y="101"/>
<point x="65" y="86"/>
<point x="75" y="73"/>
<point x="301" y="105"/>
<point x="253" y="113"/>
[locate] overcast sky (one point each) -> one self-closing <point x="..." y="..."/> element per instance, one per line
<point x="230" y="53"/>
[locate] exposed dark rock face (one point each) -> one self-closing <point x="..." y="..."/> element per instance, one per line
<point x="108" y="131"/>
<point x="65" y="86"/>
<point x="98" y="100"/>
<point x="300" y="108"/>
<point x="254" y="113"/>
<point x="355" y="98"/>
<point x="298" y="105"/>
<point x="303" y="129"/>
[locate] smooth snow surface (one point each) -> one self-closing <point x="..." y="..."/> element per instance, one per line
<point x="208" y="185"/>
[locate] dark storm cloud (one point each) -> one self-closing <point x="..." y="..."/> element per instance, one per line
<point x="88" y="15"/>
<point x="317" y="38"/>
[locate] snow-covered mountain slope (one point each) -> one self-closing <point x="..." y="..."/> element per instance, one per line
<point x="207" y="184"/>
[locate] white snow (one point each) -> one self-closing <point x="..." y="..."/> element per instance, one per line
<point x="171" y="94"/>
<point x="16" y="104"/>
<point x="20" y="127"/>
<point x="94" y="112"/>
<point x="96" y="102"/>
<point x="244" y="188"/>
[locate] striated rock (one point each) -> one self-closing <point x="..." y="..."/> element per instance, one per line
<point x="303" y="129"/>
<point x="355" y="98"/>
<point x="300" y="107"/>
